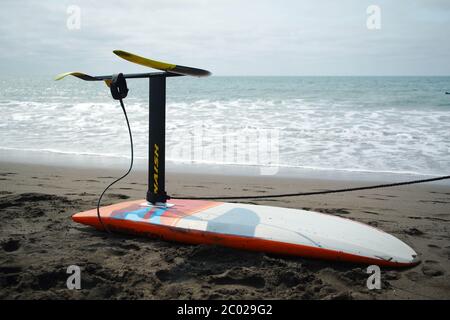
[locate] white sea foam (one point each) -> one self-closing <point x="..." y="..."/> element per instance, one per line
<point x="344" y="132"/>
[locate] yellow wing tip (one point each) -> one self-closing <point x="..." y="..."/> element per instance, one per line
<point x="80" y="75"/>
<point x="122" y="53"/>
<point x="62" y="75"/>
<point x="160" y="65"/>
<point x="127" y="55"/>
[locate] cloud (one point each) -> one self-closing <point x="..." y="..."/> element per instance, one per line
<point x="228" y="36"/>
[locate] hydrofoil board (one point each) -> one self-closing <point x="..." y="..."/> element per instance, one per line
<point x="259" y="228"/>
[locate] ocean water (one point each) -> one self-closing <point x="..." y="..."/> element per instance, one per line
<point x="379" y="125"/>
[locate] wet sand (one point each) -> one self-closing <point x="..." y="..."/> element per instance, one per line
<point x="39" y="241"/>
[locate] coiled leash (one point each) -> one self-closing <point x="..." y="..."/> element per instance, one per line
<point x="119" y="91"/>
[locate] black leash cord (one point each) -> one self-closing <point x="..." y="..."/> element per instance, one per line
<point x="129" y="169"/>
<point x="388" y="185"/>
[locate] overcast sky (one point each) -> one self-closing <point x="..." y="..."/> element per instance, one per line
<point x="228" y="37"/>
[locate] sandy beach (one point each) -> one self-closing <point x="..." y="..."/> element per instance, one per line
<point x="39" y="241"/>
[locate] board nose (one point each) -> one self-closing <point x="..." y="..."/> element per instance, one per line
<point x="88" y="218"/>
<point x="415" y="260"/>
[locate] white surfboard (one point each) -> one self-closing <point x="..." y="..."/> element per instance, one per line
<point x="260" y="228"/>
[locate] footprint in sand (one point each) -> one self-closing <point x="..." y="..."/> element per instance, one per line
<point x="11" y="245"/>
<point x="86" y="194"/>
<point x="432" y="268"/>
<point x="9" y="269"/>
<point x="333" y="210"/>
<point x="10" y="275"/>
<point x="4" y="174"/>
<point x="238" y="277"/>
<point x="413" y="232"/>
<point x="164" y="275"/>
<point x="414" y="276"/>
<point x="371" y="212"/>
<point x="118" y="196"/>
<point x="434" y="201"/>
<point x="373" y="223"/>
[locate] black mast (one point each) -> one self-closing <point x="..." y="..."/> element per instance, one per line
<point x="156" y="192"/>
